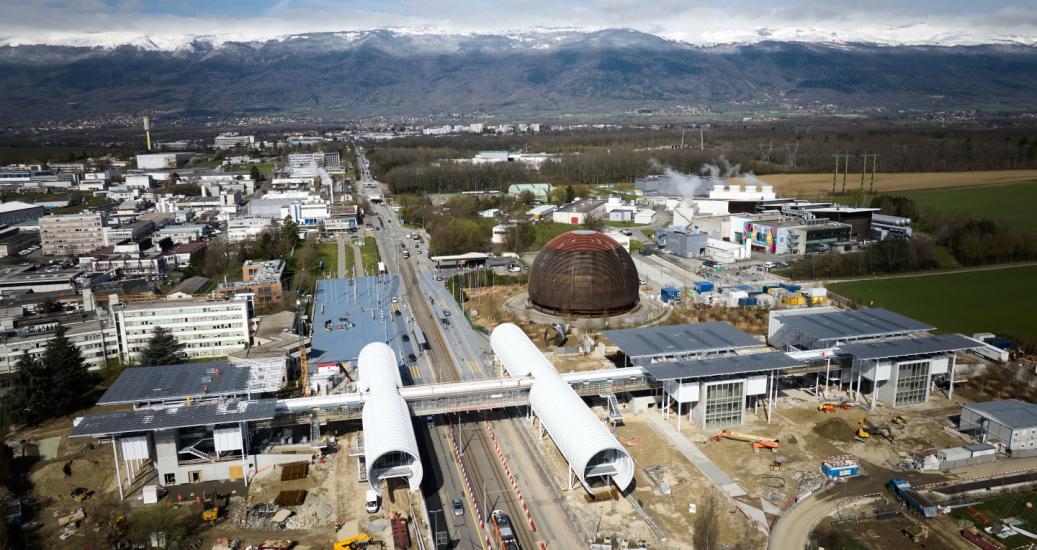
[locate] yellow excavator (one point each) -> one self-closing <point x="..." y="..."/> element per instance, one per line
<point x="212" y="509"/>
<point x="356" y="542"/>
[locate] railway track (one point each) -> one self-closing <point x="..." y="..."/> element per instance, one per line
<point x="479" y="459"/>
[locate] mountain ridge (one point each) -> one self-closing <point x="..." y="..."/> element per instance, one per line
<point x="603" y="72"/>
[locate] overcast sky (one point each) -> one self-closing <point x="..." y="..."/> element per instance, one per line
<point x="691" y="20"/>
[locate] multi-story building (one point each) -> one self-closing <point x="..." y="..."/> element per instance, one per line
<point x="161" y="161"/>
<point x="240" y="229"/>
<point x="206" y="328"/>
<point x="139" y="181"/>
<point x="181" y="234"/>
<point x="260" y="279"/>
<point x="135" y="232"/>
<point x="96" y="339"/>
<point x="231" y="140"/>
<point x="71" y="234"/>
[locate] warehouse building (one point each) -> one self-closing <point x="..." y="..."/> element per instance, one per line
<point x="13" y="212"/>
<point x="577" y="212"/>
<point x="1009" y="425"/>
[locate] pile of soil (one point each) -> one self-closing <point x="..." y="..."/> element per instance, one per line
<point x="835" y="429"/>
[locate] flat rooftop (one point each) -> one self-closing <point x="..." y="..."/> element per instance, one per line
<point x="903" y="347"/>
<point x="853" y="324"/>
<point x="586" y="205"/>
<point x="1011" y="412"/>
<point x="713" y="337"/>
<point x="727" y="365"/>
<point x="350" y="313"/>
<point x="186" y="416"/>
<point x="176" y="382"/>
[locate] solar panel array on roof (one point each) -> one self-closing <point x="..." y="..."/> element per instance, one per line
<point x="727" y="365"/>
<point x="175" y="382"/>
<point x="680" y="339"/>
<point x="908" y="346"/>
<point x="139" y="420"/>
<point x="855" y="323"/>
<point x="1012" y="413"/>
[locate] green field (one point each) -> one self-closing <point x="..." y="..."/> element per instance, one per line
<point x="1000" y="301"/>
<point x="328" y="252"/>
<point x="1004" y="506"/>
<point x="369" y="256"/>
<point x="1012" y="204"/>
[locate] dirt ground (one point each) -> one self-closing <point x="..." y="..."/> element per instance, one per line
<point x="488" y="304"/>
<point x="812" y="184"/>
<point x="808" y="436"/>
<point x="618" y="518"/>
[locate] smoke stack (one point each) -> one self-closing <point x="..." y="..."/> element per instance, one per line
<point x="147" y="132"/>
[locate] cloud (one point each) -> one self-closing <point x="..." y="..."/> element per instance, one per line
<point x="696" y="21"/>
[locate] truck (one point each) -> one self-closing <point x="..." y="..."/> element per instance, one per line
<point x="372" y="502"/>
<point x="912" y="500"/>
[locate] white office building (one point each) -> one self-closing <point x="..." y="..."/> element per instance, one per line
<point x="240" y="229"/>
<point x="206" y="328"/>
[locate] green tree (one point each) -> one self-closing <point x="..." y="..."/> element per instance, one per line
<point x="73" y="377"/>
<point x="570" y="193"/>
<point x="27" y="401"/>
<point x="255" y="174"/>
<point x="558" y="195"/>
<point x="594" y="222"/>
<point x="163" y="349"/>
<point x="526" y="197"/>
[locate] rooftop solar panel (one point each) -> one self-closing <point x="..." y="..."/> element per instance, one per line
<point x="174" y="382"/>
<point x="908" y="346"/>
<point x="856" y="323"/>
<point x="138" y="420"/>
<point x="680" y="339"/>
<point x="727" y="365"/>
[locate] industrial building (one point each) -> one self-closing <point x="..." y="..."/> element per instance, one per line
<point x="683" y="243"/>
<point x="231" y="140"/>
<point x="95" y="337"/>
<point x="206" y="328"/>
<point x="1009" y="425"/>
<point x="540" y="191"/>
<point x="162" y="161"/>
<point x="71" y="234"/>
<point x="305" y="208"/>
<point x="647" y="345"/>
<point x="576" y="213"/>
<point x="13" y="212"/>
<point x="583" y="273"/>
<point x="14" y="240"/>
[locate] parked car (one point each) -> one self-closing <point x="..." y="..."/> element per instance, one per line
<point x="458" y="507"/>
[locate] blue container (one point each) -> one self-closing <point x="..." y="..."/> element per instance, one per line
<point x="703" y="286"/>
<point x="791" y="287"/>
<point x="670" y="295"/>
<point x="839" y="471"/>
<point x="747" y="302"/>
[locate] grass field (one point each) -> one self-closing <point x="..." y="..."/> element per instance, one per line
<point x="328" y="253"/>
<point x="369" y="256"/>
<point x="1012" y="204"/>
<point x="810" y="185"/>
<point x="1004" y="506"/>
<point x="1000" y="301"/>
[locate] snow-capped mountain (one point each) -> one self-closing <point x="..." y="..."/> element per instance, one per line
<point x="405" y="71"/>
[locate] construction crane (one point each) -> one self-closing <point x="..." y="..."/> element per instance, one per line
<point x="757" y="442"/>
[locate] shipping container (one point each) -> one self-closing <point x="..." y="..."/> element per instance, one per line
<point x="791" y="287"/>
<point x="703" y="286"/>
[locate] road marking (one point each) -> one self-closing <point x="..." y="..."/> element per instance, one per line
<point x="474" y="367"/>
<point x="415" y="373"/>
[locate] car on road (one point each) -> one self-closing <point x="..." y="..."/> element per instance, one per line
<point x="769" y="265"/>
<point x="430" y="420"/>
<point x="446" y="313"/>
<point x="395" y="300"/>
<point x="439" y="277"/>
<point x="457" y="507"/>
<point x="405" y="338"/>
<point x="445" y="321"/>
<point x="627" y="232"/>
<point x="411" y="358"/>
<point x="515" y="269"/>
<point x="643" y="282"/>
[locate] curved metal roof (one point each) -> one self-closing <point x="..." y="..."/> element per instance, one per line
<point x="583" y="273"/>
<point x="389" y="443"/>
<point x="577" y="431"/>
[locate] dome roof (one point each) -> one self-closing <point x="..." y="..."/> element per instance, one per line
<point x="583" y="273"/>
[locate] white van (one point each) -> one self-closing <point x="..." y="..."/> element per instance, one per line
<point x="373" y="502"/>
